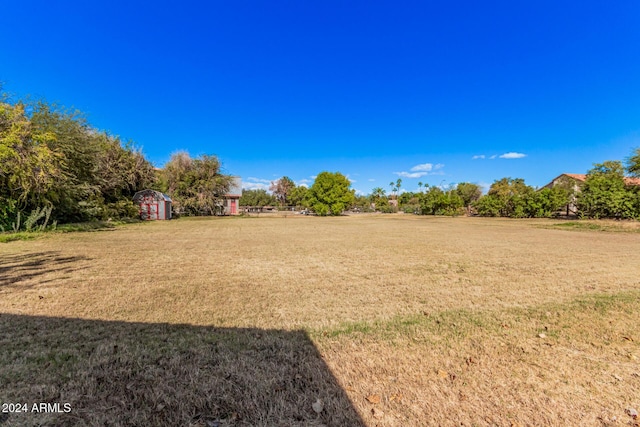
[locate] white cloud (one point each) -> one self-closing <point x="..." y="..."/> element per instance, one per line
<point x="303" y="182"/>
<point x="421" y="170"/>
<point x="512" y="155"/>
<point x="371" y="180"/>
<point x="426" y="167"/>
<point x="254" y="186"/>
<point x="479" y="156"/>
<point x="411" y="174"/>
<point x="250" y="178"/>
<point x="253" y="183"/>
<point x="493" y="157"/>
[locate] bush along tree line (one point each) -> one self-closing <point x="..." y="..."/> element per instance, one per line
<point x="56" y="168"/>
<point x="605" y="193"/>
<point x="330" y="194"/>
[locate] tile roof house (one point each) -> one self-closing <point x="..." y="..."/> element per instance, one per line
<point x="579" y="178"/>
<point x="573" y="182"/>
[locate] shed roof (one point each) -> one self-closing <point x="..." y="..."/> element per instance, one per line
<point x="157" y="195"/>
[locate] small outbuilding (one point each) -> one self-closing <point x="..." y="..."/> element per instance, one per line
<point x="231" y="201"/>
<point x="153" y="204"/>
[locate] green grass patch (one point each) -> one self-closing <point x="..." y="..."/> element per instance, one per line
<point x="595" y="225"/>
<point x="577" y="225"/>
<point x="67" y="228"/>
<point x="22" y="235"/>
<point x="86" y="226"/>
<point x="459" y="324"/>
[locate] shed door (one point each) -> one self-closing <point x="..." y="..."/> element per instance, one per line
<point x="149" y="211"/>
<point x="153" y="211"/>
<point x="234" y="208"/>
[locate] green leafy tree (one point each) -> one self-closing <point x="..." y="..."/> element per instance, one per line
<point x="298" y="195"/>
<point x="52" y="158"/>
<point x="633" y="163"/>
<point x="604" y="193"/>
<point x="469" y="193"/>
<point x="29" y="169"/>
<point x="489" y="205"/>
<point x="196" y="186"/>
<point x="330" y="194"/>
<point x="436" y="201"/>
<point x="378" y="198"/>
<point x="362" y="203"/>
<point x="546" y="202"/>
<point x="407" y="197"/>
<point x="511" y="195"/>
<point x="258" y="198"/>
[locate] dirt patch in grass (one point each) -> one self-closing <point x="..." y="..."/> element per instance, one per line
<point x="438" y="320"/>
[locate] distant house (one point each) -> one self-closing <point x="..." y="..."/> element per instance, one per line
<point x="573" y="182"/>
<point x="153" y="205"/>
<point x="231" y="202"/>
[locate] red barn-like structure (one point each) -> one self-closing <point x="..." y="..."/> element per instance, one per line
<point x="153" y="204"/>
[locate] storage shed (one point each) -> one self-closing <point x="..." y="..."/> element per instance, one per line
<point x="153" y="204"/>
<point x="231" y="202"/>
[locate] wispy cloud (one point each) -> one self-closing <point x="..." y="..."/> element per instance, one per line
<point x="479" y="156"/>
<point x="351" y="180"/>
<point x="253" y="179"/>
<point x="411" y="174"/>
<point x="253" y="183"/>
<point x="421" y="170"/>
<point x="426" y="167"/>
<point x="512" y="155"/>
<point x="371" y="180"/>
<point x="254" y="186"/>
<point x="493" y="157"/>
<point x="304" y="182"/>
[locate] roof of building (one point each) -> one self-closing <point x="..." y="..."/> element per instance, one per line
<point x="577" y="176"/>
<point x="582" y="177"/>
<point x="153" y="193"/>
<point x="629" y="180"/>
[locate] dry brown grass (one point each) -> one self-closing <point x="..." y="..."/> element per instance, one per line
<point x="438" y="317"/>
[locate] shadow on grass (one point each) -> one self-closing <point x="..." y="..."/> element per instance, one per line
<point x="15" y="269"/>
<point x="123" y="374"/>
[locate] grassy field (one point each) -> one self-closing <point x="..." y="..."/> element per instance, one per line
<point x="392" y="320"/>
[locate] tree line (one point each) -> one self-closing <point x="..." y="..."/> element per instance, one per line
<point x="56" y="168"/>
<point x="610" y="190"/>
<point x="330" y="194"/>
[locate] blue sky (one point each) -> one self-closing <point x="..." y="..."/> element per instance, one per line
<point x="437" y="92"/>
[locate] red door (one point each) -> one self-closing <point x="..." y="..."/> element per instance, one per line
<point x="149" y="211"/>
<point x="234" y="209"/>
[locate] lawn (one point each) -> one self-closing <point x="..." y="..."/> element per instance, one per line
<point x="390" y="320"/>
